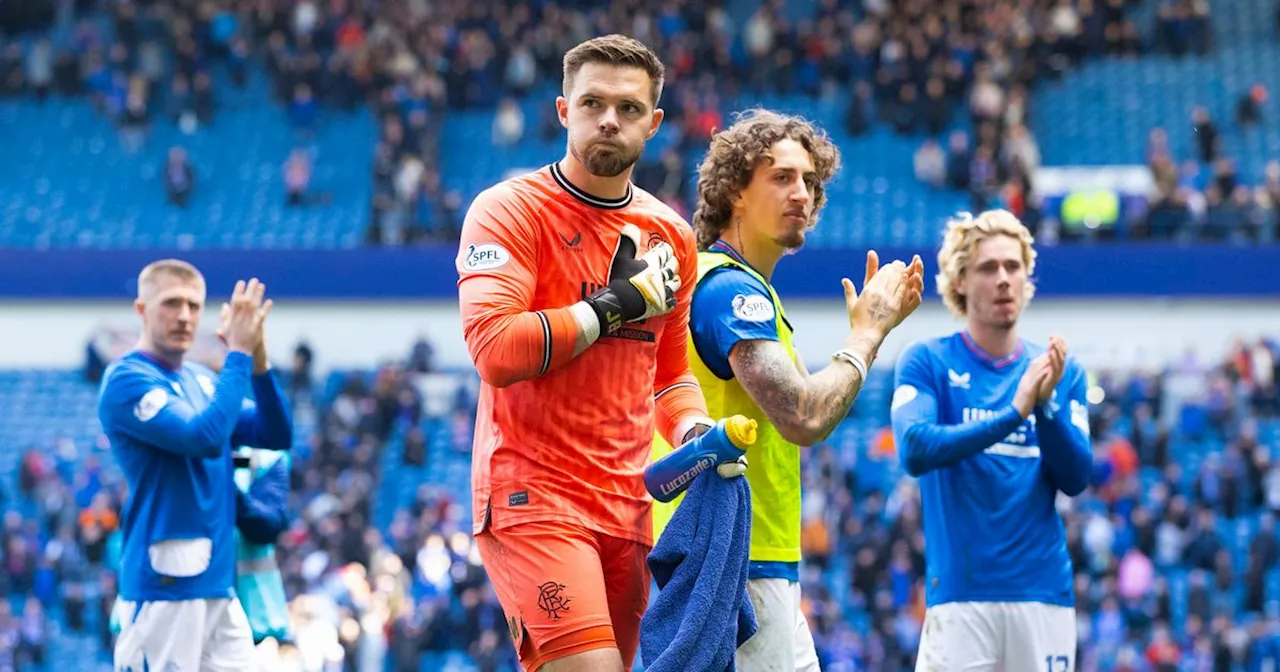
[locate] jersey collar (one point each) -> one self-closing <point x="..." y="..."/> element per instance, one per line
<point x="593" y="201"/>
<point x="727" y="249"/>
<point x="160" y="364"/>
<point x="972" y="347"/>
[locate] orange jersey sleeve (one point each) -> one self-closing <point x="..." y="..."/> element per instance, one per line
<point x="675" y="389"/>
<point x="569" y="445"/>
<point x="496" y="266"/>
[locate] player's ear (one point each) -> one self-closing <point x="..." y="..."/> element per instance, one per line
<point x="562" y="110"/>
<point x="658" y="116"/>
<point x="139" y="307"/>
<point x="740" y="201"/>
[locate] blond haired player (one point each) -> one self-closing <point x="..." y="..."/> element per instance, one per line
<point x="994" y="427"/>
<point x="172" y="425"/>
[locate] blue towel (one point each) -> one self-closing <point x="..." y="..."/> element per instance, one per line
<point x="700" y="562"/>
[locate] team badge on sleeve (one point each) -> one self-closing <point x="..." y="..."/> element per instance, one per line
<point x="484" y="257"/>
<point x="753" y="308"/>
<point x="1080" y="417"/>
<point x="150" y="405"/>
<point x="903" y="396"/>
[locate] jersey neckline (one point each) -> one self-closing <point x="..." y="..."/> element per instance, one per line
<point x="982" y="355"/>
<point x="583" y="196"/>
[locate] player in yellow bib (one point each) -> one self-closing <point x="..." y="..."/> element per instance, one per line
<point x="741" y="350"/>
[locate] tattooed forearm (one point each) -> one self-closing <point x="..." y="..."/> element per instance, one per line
<point x="804" y="409"/>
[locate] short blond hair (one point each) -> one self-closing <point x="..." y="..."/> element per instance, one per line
<point x="961" y="238"/>
<point x="174" y="268"/>
<point x="616" y="50"/>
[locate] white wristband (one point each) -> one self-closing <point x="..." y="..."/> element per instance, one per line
<point x="587" y="321"/>
<point x="856" y="361"/>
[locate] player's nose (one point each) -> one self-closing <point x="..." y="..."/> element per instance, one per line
<point x="609" y="120"/>
<point x="800" y="195"/>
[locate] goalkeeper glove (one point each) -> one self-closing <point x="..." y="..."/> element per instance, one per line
<point x="639" y="287"/>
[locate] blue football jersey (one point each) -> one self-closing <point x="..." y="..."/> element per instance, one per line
<point x="171" y="430"/>
<point x="988" y="478"/>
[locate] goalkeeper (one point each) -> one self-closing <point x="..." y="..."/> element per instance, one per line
<point x="574" y="290"/>
<point x="742" y="352"/>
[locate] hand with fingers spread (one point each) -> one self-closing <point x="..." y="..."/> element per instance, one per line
<point x="243" y="317"/>
<point x="1056" y="361"/>
<point x="889" y="294"/>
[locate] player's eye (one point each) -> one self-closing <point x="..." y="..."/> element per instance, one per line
<point x="590" y="102"/>
<point x="630" y="108"/>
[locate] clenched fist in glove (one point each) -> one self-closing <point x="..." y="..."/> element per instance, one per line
<point x="639" y="287"/>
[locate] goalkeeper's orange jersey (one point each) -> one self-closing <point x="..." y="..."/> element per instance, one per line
<point x="561" y="438"/>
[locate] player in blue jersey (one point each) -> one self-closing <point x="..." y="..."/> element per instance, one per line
<point x="172" y="425"/>
<point x="760" y="191"/>
<point x="994" y="427"/>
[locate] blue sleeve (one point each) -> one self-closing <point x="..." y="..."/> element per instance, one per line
<point x="729" y="306"/>
<point x="1066" y="453"/>
<point x="143" y="408"/>
<point x="924" y="444"/>
<point x="263" y="513"/>
<point x="266" y="424"/>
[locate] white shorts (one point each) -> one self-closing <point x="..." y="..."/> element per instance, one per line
<point x="189" y="636"/>
<point x="998" y="637"/>
<point x="783" y="643"/>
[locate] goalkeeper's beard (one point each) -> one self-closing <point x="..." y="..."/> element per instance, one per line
<point x="606" y="163"/>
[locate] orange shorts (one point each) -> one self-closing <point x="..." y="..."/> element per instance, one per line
<point x="566" y="589"/>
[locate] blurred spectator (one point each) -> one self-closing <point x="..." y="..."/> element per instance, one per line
<point x="179" y="177"/>
<point x="297" y="176"/>
<point x="1206" y="134"/>
<point x="1249" y="107"/>
<point x="181" y="103"/>
<point x="39" y="71"/>
<point x="1183" y="26"/>
<point x="931" y="164"/>
<point x="203" y="98"/>
<point x="303" y="110"/>
<point x="508" y="124"/>
<point x="12" y="78"/>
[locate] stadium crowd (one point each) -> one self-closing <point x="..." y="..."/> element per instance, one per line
<point x="957" y="74"/>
